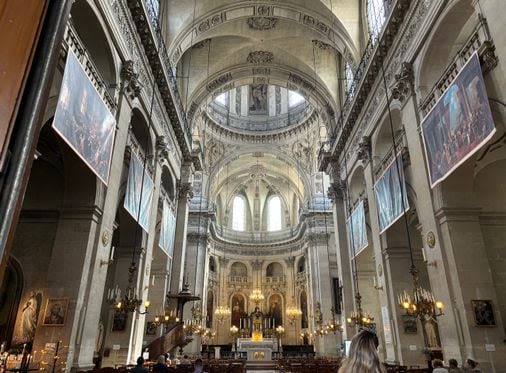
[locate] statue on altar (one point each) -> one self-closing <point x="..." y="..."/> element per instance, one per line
<point x="257" y="326"/>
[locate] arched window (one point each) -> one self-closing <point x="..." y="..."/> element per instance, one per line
<point x="239" y="213"/>
<point x="274" y="211"/>
<point x="375" y="16"/>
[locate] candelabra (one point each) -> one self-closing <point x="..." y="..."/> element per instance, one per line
<point x="359" y="318"/>
<point x="130" y="302"/>
<point x="422" y="303"/>
<point x="333" y="325"/>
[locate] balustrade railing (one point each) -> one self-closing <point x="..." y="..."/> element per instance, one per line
<point x="478" y="40"/>
<point x="274" y="280"/>
<point x="238" y="279"/>
<point x="295" y="116"/>
<point x="249" y="237"/>
<point x="72" y="41"/>
<point x="152" y="10"/>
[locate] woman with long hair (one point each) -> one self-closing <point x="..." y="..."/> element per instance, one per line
<point x="363" y="355"/>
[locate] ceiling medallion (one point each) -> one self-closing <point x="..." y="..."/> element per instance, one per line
<point x="262" y="23"/>
<point x="259" y="57"/>
<point x="431" y="239"/>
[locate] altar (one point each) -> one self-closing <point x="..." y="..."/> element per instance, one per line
<point x="257" y="350"/>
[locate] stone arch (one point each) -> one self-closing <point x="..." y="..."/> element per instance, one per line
<point x="141" y="132"/>
<point x="168" y="183"/>
<point x="356" y="184"/>
<point x="10" y="291"/>
<point x="382" y="142"/>
<point x="274" y="269"/>
<point x="448" y="35"/>
<point x="92" y="30"/>
<point x="238" y="269"/>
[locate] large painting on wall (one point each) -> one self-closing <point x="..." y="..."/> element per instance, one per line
<point x="275" y="309"/>
<point x="238" y="309"/>
<point x="258" y="102"/>
<point x="168" y="229"/>
<point x="139" y="193"/>
<point x="357" y="232"/>
<point x="390" y="192"/>
<point x="83" y="120"/>
<point x="28" y="318"/>
<point x="459" y="124"/>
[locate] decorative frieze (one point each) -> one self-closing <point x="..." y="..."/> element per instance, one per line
<point x="260" y="57"/>
<point x="262" y="23"/>
<point x="403" y="84"/>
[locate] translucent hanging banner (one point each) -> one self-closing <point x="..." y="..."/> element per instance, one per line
<point x="139" y="193"/>
<point x="357" y="233"/>
<point x="83" y="120"/>
<point x="168" y="229"/>
<point x="391" y="196"/>
<point x="458" y="124"/>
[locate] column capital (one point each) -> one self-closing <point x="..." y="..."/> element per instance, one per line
<point x="403" y="85"/>
<point x="129" y="79"/>
<point x="336" y="190"/>
<point x="185" y="190"/>
<point x="162" y="149"/>
<point x="364" y="149"/>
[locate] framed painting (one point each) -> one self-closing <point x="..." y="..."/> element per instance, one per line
<point x="483" y="312"/>
<point x="410" y="325"/>
<point x="55" y="312"/>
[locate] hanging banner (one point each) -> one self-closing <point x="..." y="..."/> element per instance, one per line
<point x="83" y="120"/>
<point x="168" y="229"/>
<point x="357" y="232"/>
<point x="391" y="201"/>
<point x="459" y="124"/>
<point x="137" y="188"/>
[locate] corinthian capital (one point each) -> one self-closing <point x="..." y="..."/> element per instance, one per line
<point x="402" y="87"/>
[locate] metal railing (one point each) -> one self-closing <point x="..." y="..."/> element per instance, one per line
<point x="72" y="41"/>
<point x="152" y="7"/>
<point x="479" y="38"/>
<point x="274" y="280"/>
<point x="353" y="93"/>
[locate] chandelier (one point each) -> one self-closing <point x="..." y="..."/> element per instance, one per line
<point x="222" y="312"/>
<point x="293" y="312"/>
<point x="333" y="325"/>
<point x="130" y="302"/>
<point x="422" y="303"/>
<point x="359" y="318"/>
<point x="257" y="296"/>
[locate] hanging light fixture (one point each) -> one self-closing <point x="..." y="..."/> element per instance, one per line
<point x="293" y="312"/>
<point x="223" y="311"/>
<point x="421" y="303"/>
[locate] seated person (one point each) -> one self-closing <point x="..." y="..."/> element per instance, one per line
<point x="454" y="366"/>
<point x="438" y="367"/>
<point x="161" y="365"/>
<point x="199" y="366"/>
<point x="186" y="360"/>
<point x="139" y="368"/>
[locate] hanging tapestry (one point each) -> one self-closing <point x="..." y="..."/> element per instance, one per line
<point x="458" y="124"/>
<point x="357" y="233"/>
<point x="83" y="120"/>
<point x="392" y="202"/>
<point x="139" y="193"/>
<point x="167" y="230"/>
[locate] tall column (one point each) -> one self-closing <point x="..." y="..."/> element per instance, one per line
<point x="184" y="195"/>
<point x="92" y="302"/>
<point x="439" y="273"/>
<point x="387" y="308"/>
<point x="144" y="267"/>
<point x="342" y="253"/>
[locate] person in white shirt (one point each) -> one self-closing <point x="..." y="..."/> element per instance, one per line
<point x="438" y="367"/>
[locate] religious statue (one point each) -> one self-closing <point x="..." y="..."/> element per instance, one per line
<point x="29" y="318"/>
<point x="257" y="331"/>
<point x="429" y="325"/>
